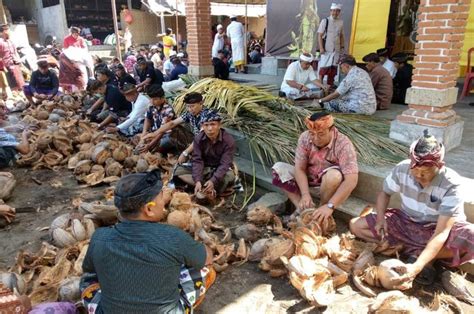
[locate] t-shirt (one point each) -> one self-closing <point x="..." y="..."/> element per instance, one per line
<point x="357" y="88"/>
<point x="295" y="72"/>
<point x="148" y="73"/>
<point x="139" y="109"/>
<point x="160" y="116"/>
<point x="127" y="78"/>
<point x="116" y="100"/>
<point x="48" y="81"/>
<point x="177" y="71"/>
<point x="194" y="121"/>
<point x="168" y="67"/>
<point x="71" y="41"/>
<point x="138" y="265"/>
<point x="442" y="197"/>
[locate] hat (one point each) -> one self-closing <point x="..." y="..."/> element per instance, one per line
<point x="153" y="47"/>
<point x="172" y="53"/>
<point x="382" y="52"/>
<point x="211" y="115"/>
<point x="307" y="58"/>
<point x="319" y="121"/>
<point x="336" y="6"/>
<point x="135" y="190"/>
<point x="400" y="57"/>
<point x="128" y="88"/>
<point x="233" y="16"/>
<point x="42" y="61"/>
<point x="180" y="55"/>
<point x="220" y="26"/>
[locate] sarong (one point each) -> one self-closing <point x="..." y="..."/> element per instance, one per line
<point x="414" y="236"/>
<point x="15" y="77"/>
<point x="193" y="285"/>
<point x="207" y="173"/>
<point x="71" y="77"/>
<point x="284" y="178"/>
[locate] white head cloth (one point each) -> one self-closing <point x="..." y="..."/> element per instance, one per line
<point x="233" y="16"/>
<point x="220" y="26"/>
<point x="336" y="6"/>
<point x="306" y="58"/>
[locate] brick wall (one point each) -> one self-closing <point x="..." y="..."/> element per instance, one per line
<point x="441" y="29"/>
<point x="198" y="25"/>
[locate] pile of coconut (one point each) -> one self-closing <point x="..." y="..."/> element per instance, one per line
<point x="64" y="138"/>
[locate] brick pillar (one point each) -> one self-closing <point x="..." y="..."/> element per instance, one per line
<point x="198" y="25"/>
<point x="430" y="100"/>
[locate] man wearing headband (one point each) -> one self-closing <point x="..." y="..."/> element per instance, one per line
<point x="355" y="94"/>
<point x="193" y="115"/>
<point x="431" y="223"/>
<point x="300" y="80"/>
<point x="386" y="62"/>
<point x="236" y="34"/>
<point x="212" y="160"/>
<point x="325" y="164"/>
<point x="44" y="83"/>
<point x="141" y="265"/>
<point x="402" y="80"/>
<point x="331" y="43"/>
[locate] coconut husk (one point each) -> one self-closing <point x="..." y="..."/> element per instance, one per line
<point x="457" y="286"/>
<point x="86" y="147"/>
<point x="13" y="282"/>
<point x="308" y="243"/>
<point x="303" y="266"/>
<point x="83" y="168"/>
<point x="121" y="153"/>
<point x="100" y="154"/>
<point x="365" y="259"/>
<point x="180" y="219"/>
<point x="260" y="215"/>
<point x="249" y="232"/>
<point x="386" y="249"/>
<point x="242" y="253"/>
<point x="44" y="140"/>
<point x="387" y="273"/>
<point x="7" y="184"/>
<point x="223" y="253"/>
<point x="32" y="157"/>
<point x="142" y="165"/>
<point x="53" y="158"/>
<point x="395" y="302"/>
<point x="153" y="160"/>
<point x="130" y="162"/>
<point x="54" y="274"/>
<point x="114" y="169"/>
<point x="277" y="249"/>
<point x="80" y="259"/>
<point x="318" y="290"/>
<point x="181" y="201"/>
<point x="44" y="294"/>
<point x="100" y="211"/>
<point x="62" y="143"/>
<point x="72" y="162"/>
<point x="44" y="257"/>
<point x="324" y="228"/>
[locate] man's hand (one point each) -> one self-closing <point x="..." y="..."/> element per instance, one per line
<point x="322" y="213"/>
<point x="306" y="201"/>
<point x="209" y="188"/>
<point x="197" y="187"/>
<point x="142" y="148"/>
<point x="112" y="129"/>
<point x="7" y="212"/>
<point x="182" y="159"/>
<point x="409" y="272"/>
<point x="381" y="227"/>
<point x="322" y="51"/>
<point x="304" y="88"/>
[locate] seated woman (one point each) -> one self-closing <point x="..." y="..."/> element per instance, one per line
<point x="44" y="83"/>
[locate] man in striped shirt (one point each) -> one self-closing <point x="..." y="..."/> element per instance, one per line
<point x="431" y="223"/>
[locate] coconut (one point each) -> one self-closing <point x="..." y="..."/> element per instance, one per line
<point x="180" y="219"/>
<point x="7" y="184"/>
<point x="69" y="289"/>
<point x="303" y="266"/>
<point x="84" y="137"/>
<point x="120" y="153"/>
<point x="318" y="290"/>
<point x="53" y="158"/>
<point x="62" y="143"/>
<point x="77" y="230"/>
<point x="386" y="273"/>
<point x="100" y="154"/>
<point x="181" y="201"/>
<point x="142" y="165"/>
<point x="89" y="226"/>
<point x="86" y="147"/>
<point x="395" y="302"/>
<point x="59" y="112"/>
<point x="129" y="163"/>
<point x="83" y="167"/>
<point x="29" y="159"/>
<point x="62" y="221"/>
<point x="54" y="117"/>
<point x="62" y="238"/>
<point x="43" y="140"/>
<point x="275" y="250"/>
<point x="42" y="115"/>
<point x="72" y="162"/>
<point x="249" y="232"/>
<point x="260" y="215"/>
<point x="114" y="169"/>
<point x="13" y="282"/>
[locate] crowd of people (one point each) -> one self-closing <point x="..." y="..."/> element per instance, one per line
<point x="127" y="269"/>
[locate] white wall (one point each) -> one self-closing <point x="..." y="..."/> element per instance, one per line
<point x="51" y="21"/>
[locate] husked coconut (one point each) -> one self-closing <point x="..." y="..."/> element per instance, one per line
<point x="53" y="158"/>
<point x="120" y="153"/>
<point x="77" y="230"/>
<point x="129" y="163"/>
<point x="181" y="201"/>
<point x="387" y="271"/>
<point x="54" y="117"/>
<point x="180" y="219"/>
<point x="85" y="137"/>
<point x="274" y="251"/>
<point x="13" y="282"/>
<point x="62" y="238"/>
<point x="260" y="215"/>
<point x="72" y="162"/>
<point x="42" y="115"/>
<point x="83" y="167"/>
<point x="100" y="154"/>
<point x="142" y="165"/>
<point x="7" y="184"/>
<point x="257" y="250"/>
<point x="62" y="143"/>
<point x="44" y="140"/>
<point x="113" y="169"/>
<point x="304" y="266"/>
<point x="249" y="232"/>
<point x="69" y="289"/>
<point x="62" y="221"/>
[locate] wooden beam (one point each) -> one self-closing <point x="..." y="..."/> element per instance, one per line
<point x="117" y="36"/>
<point x="3" y="17"/>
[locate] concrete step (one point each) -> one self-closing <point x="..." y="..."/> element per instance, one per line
<point x="253" y="68"/>
<point x="369" y="184"/>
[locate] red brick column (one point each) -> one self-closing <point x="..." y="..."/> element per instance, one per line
<point x="198" y="25"/>
<point x="441" y="28"/>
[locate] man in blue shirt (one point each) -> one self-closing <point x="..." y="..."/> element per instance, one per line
<point x="44" y="83"/>
<point x="179" y="69"/>
<point x="141" y="265"/>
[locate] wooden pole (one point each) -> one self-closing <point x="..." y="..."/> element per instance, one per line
<point x="246" y="31"/>
<point x="177" y="23"/>
<point x="117" y="37"/>
<point x="3" y="17"/>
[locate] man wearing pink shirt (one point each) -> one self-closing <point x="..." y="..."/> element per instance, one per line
<point x="9" y="59"/>
<point x="74" y="39"/>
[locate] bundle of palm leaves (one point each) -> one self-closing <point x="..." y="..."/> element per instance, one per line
<point x="273" y="125"/>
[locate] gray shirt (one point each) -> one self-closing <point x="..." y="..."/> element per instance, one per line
<point x="357" y="88"/>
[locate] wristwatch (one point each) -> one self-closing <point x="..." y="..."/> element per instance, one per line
<point x="185" y="154"/>
<point x="319" y="101"/>
<point x="330" y="205"/>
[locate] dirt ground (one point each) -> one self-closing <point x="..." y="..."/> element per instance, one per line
<point x="239" y="289"/>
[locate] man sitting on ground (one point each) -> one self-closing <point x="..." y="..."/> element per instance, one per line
<point x="355" y="94"/>
<point x="431" y="223"/>
<point x="178" y="69"/>
<point x="402" y="80"/>
<point x="325" y="161"/>
<point x="295" y="84"/>
<point x="44" y="83"/>
<point x="194" y="114"/>
<point x="141" y="265"/>
<point x="134" y="121"/>
<point x="168" y="64"/>
<point x="386" y="62"/>
<point x="212" y="161"/>
<point x="146" y="74"/>
<point x="221" y="69"/>
<point x="116" y="106"/>
<point x="123" y="77"/>
<point x="381" y="81"/>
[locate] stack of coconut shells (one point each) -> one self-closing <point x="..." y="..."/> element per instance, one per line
<point x="64" y="138"/>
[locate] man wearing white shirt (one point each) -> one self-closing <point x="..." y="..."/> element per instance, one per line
<point x="386" y="62"/>
<point x="133" y="124"/>
<point x="168" y="64"/>
<point x="218" y="41"/>
<point x="236" y="32"/>
<point x="300" y="80"/>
